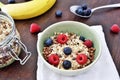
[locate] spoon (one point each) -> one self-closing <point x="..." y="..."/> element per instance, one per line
<point x="75" y="7"/>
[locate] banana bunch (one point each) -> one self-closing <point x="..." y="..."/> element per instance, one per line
<point x="28" y="9"/>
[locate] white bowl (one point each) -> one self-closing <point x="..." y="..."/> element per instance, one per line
<point x="69" y="26"/>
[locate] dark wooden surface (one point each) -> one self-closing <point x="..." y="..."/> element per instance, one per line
<point x="106" y="18"/>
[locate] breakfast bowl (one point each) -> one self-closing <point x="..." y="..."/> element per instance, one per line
<point x="66" y="47"/>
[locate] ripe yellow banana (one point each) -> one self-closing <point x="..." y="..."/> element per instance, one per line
<point x="28" y="9"/>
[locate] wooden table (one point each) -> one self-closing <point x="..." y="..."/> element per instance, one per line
<point x="106" y="18"/>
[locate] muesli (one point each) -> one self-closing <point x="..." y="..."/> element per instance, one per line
<point x="68" y="51"/>
<point x="5" y="30"/>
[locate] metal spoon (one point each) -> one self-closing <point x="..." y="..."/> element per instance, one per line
<point x="75" y="7"/>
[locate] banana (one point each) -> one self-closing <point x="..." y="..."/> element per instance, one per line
<point x="28" y="9"/>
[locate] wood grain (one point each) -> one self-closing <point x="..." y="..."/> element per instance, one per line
<point x="106" y="18"/>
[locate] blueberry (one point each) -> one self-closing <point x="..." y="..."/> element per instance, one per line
<point x="88" y="12"/>
<point x="84" y="6"/>
<point x="66" y="64"/>
<point x="79" y="11"/>
<point x="11" y="1"/>
<point x="82" y="38"/>
<point x="85" y="13"/>
<point x="58" y="13"/>
<point x="48" y="42"/>
<point x="67" y="50"/>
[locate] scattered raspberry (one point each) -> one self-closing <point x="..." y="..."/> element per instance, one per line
<point x="115" y="28"/>
<point x="62" y="38"/>
<point x="88" y="43"/>
<point x="53" y="59"/>
<point x="81" y="58"/>
<point x="35" y="28"/>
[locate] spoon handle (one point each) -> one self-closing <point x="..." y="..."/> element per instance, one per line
<point x="107" y="6"/>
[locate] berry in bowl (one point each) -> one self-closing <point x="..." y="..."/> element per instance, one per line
<point x="69" y="47"/>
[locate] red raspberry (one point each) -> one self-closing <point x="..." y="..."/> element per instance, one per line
<point x="115" y="28"/>
<point x="62" y="38"/>
<point x="81" y="58"/>
<point x="35" y="28"/>
<point x="53" y="59"/>
<point x="88" y="43"/>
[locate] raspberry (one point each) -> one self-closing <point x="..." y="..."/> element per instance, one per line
<point x="53" y="59"/>
<point x="62" y="38"/>
<point x="81" y="58"/>
<point x="35" y="28"/>
<point x="88" y="43"/>
<point x="115" y="28"/>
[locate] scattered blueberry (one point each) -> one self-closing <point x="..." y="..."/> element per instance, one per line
<point x="58" y="13"/>
<point x="11" y="1"/>
<point x="79" y="11"/>
<point x="82" y="38"/>
<point x="48" y="42"/>
<point x="66" y="64"/>
<point x="84" y="6"/>
<point x="67" y="50"/>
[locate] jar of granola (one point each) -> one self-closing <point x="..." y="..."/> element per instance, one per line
<point x="10" y="44"/>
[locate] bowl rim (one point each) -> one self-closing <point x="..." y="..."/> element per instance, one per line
<point x="62" y="70"/>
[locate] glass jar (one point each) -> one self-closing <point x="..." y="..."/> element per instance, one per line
<point x="10" y="43"/>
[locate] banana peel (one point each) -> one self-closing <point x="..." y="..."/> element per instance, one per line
<point x="27" y="10"/>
